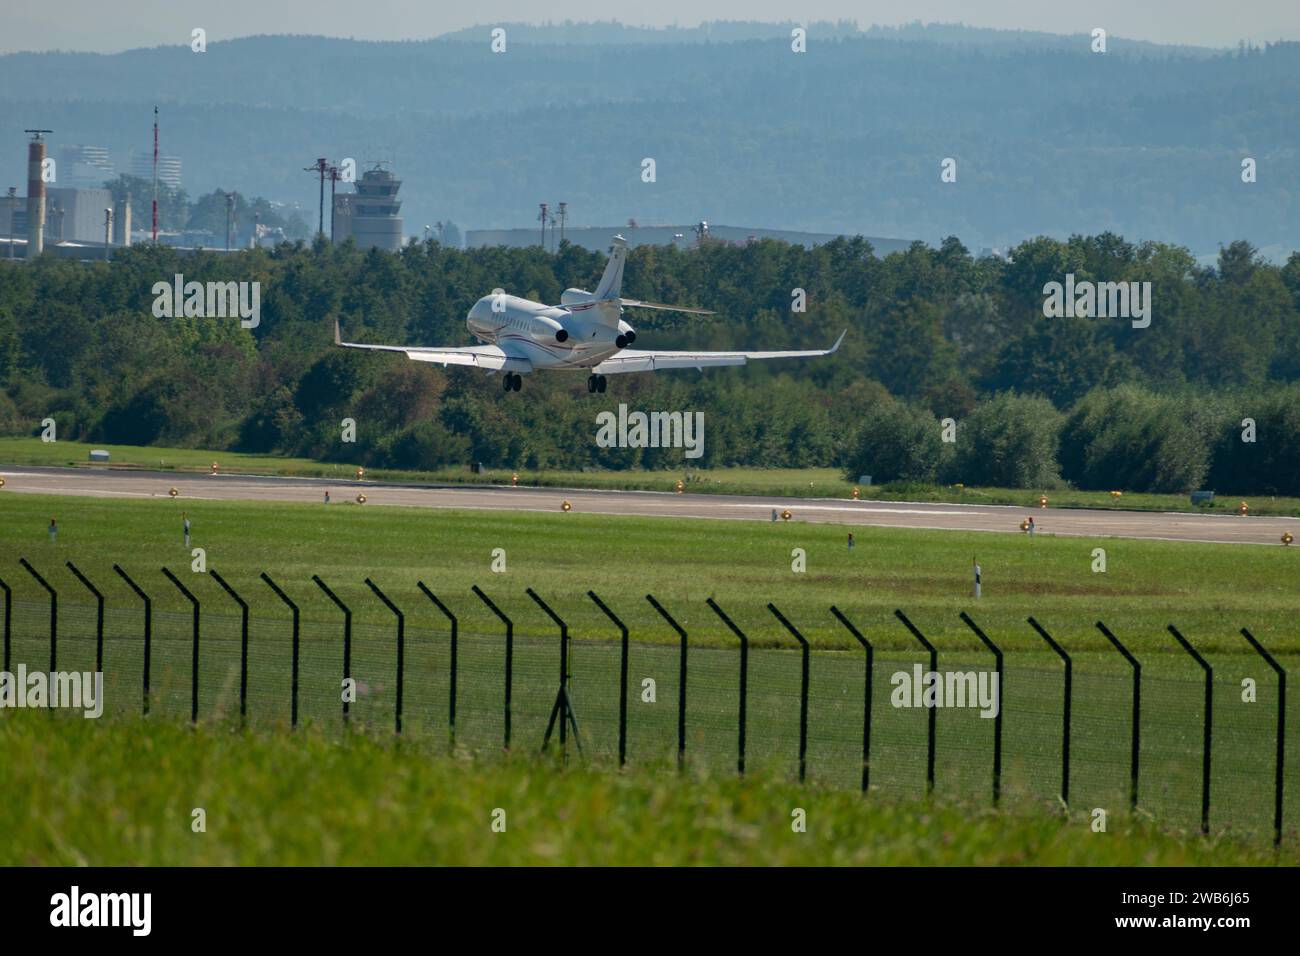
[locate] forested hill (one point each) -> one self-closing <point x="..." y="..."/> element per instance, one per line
<point x="1049" y="137"/>
<point x="934" y="333"/>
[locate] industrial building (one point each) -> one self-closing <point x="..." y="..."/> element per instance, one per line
<point x="75" y="215"/>
<point x="371" y="216"/>
<point x="71" y="215"/>
<point x="596" y="238"/>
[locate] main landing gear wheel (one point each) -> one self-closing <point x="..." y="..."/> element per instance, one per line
<point x="512" y="382"/>
<point x="596" y="383"/>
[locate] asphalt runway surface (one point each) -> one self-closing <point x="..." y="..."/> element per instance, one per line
<point x="127" y="484"/>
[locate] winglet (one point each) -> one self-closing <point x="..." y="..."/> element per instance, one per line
<point x="833" y="348"/>
<point x="338" y="338"/>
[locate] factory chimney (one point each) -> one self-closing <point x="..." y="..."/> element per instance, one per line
<point x="35" y="193"/>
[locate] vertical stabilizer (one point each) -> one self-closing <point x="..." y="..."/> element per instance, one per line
<point x="611" y="283"/>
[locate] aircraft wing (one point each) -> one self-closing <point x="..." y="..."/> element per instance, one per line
<point x="490" y="357"/>
<point x="646" y="360"/>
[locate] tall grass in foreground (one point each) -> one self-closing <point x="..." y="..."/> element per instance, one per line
<point x="81" y="792"/>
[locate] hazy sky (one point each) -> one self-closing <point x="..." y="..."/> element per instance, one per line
<point x="109" y="26"/>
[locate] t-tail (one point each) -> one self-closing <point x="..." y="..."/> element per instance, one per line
<point x="607" y="301"/>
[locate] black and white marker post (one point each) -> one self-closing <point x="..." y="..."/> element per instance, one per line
<point x="975" y="565"/>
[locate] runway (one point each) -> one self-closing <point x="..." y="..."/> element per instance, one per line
<point x="127" y="484"/>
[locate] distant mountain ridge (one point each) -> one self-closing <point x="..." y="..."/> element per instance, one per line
<point x="1049" y="138"/>
<point x="737" y="31"/>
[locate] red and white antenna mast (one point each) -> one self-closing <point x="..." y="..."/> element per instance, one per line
<point x="155" y="175"/>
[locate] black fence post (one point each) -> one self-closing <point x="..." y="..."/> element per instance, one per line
<point x="243" y="642"/>
<point x="401" y="650"/>
<point x="1137" y="713"/>
<point x="1281" y="731"/>
<point x="194" y="659"/>
<point x="293" y="699"/>
<point x="148" y="627"/>
<point x="9" y="595"/>
<point x="681" y="680"/>
<point x="803" y="691"/>
<point x="451" y="694"/>
<point x="997" y="718"/>
<point x="99" y="616"/>
<point x="934" y="711"/>
<point x="563" y="707"/>
<point x="622" y="678"/>
<point x="1209" y="720"/>
<point x="510" y="654"/>
<point x="866" y="697"/>
<point x="54" y="613"/>
<point x="347" y="638"/>
<point x="1065" y="731"/>
<point x="744" y="680"/>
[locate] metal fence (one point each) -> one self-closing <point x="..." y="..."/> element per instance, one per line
<point x="1114" y="736"/>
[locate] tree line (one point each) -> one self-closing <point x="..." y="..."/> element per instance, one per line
<point x="935" y="334"/>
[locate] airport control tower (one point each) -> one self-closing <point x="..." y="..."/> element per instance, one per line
<point x="372" y="214"/>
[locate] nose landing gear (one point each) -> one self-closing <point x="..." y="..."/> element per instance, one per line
<point x="596" y="383"/>
<point x="512" y="382"/>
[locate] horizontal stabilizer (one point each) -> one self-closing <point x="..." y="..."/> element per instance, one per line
<point x="638" y="304"/>
<point x="490" y="357"/>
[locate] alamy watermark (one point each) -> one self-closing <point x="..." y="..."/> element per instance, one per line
<point x="130" y="910"/>
<point x="211" y="300"/>
<point x="626" y="429"/>
<point x="73" y="690"/>
<point x="1098" y="300"/>
<point x="946" y="689"/>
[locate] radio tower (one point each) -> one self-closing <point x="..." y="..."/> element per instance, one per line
<point x="155" y="175"/>
<point x="543" y="216"/>
<point x="564" y="213"/>
<point x="322" y="167"/>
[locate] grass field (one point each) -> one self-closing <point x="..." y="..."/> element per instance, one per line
<point x="1208" y="590"/>
<point x="109" y="793"/>
<point x="782" y="482"/>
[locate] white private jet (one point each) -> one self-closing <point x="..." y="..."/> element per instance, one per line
<point x="585" y="331"/>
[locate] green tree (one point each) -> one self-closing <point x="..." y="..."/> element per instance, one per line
<point x="1010" y="441"/>
<point x="897" y="441"/>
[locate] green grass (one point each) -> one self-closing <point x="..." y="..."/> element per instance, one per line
<point x="105" y="793"/>
<point x="1208" y="590"/>
<point x="776" y="482"/>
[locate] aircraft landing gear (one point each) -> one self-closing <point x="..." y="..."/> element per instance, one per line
<point x="596" y="383"/>
<point x="512" y="382"/>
